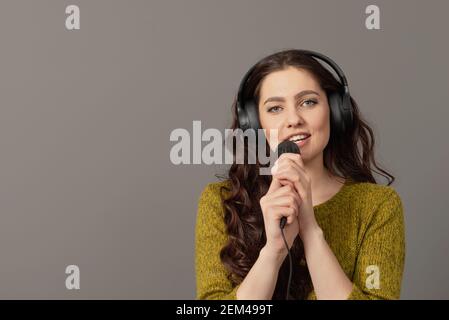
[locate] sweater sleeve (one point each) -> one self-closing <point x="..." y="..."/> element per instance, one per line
<point x="380" y="262"/>
<point x="210" y="237"/>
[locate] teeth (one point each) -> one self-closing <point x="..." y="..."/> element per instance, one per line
<point x="298" y="137"/>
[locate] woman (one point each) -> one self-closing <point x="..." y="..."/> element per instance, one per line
<point x="345" y="232"/>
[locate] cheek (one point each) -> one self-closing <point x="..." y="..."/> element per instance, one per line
<point x="322" y="128"/>
<point x="269" y="125"/>
<point x="264" y="122"/>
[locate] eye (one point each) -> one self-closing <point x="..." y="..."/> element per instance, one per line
<point x="274" y="108"/>
<point x="311" y="102"/>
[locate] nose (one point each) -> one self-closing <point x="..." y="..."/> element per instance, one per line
<point x="293" y="117"/>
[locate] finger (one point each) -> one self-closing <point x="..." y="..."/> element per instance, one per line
<point x="287" y="163"/>
<point x="298" y="174"/>
<point x="289" y="191"/>
<point x="300" y="185"/>
<point x="297" y="198"/>
<point x="283" y="190"/>
<point x="284" y="201"/>
<point x="293" y="156"/>
<point x="290" y="218"/>
<point x="291" y="200"/>
<point x="274" y="185"/>
<point x="293" y="173"/>
<point x="287" y="212"/>
<point x="286" y="182"/>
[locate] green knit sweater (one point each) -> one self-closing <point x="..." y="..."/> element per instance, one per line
<point x="363" y="224"/>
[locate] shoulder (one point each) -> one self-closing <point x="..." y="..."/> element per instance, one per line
<point x="217" y="187"/>
<point x="212" y="195"/>
<point x="372" y="192"/>
<point x="376" y="200"/>
<point x="215" y="190"/>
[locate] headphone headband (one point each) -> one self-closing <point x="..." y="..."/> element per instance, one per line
<point x="315" y="54"/>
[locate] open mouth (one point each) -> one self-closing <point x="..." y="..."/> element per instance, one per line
<point x="300" y="140"/>
<point x="299" y="137"/>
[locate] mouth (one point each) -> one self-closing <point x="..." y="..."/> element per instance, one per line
<point x="300" y="140"/>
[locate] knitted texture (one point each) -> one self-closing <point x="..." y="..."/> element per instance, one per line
<point x="362" y="223"/>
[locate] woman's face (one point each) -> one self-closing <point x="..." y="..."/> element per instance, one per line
<point x="292" y="101"/>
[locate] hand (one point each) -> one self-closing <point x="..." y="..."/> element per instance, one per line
<point x="280" y="201"/>
<point x="289" y="170"/>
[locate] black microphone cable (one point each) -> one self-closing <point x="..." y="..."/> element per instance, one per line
<point x="282" y="225"/>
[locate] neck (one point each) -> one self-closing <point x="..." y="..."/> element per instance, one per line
<point x="319" y="175"/>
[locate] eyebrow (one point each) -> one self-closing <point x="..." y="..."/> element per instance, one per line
<point x="297" y="96"/>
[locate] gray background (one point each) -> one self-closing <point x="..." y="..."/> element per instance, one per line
<point x="85" y="176"/>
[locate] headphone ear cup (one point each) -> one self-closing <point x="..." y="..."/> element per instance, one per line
<point x="347" y="111"/>
<point x="242" y="117"/>
<point x="252" y="114"/>
<point x="335" y="106"/>
<point x="248" y="118"/>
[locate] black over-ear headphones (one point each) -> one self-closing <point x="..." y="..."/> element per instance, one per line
<point x="339" y="102"/>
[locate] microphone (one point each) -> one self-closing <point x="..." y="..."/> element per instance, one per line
<point x="287" y="147"/>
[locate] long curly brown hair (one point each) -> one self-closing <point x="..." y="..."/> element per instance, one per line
<point x="348" y="156"/>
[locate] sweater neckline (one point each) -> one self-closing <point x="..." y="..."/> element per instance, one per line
<point x="335" y="197"/>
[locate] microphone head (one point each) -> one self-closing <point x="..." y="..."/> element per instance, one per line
<point x="288" y="146"/>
